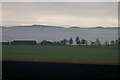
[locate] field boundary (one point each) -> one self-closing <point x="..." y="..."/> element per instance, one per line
<point x="86" y="46"/>
<point x="66" y="62"/>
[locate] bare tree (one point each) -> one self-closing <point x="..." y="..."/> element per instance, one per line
<point x="70" y="41"/>
<point x="106" y="43"/>
<point x="98" y="43"/>
<point x="112" y="43"/>
<point x="77" y="40"/>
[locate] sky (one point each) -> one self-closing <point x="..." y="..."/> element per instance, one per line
<point x="66" y="14"/>
<point x="60" y="0"/>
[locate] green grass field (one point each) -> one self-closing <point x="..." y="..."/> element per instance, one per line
<point x="61" y="54"/>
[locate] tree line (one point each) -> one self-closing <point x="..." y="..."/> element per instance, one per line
<point x="79" y="41"/>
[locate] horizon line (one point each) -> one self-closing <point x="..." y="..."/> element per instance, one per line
<point x="58" y="26"/>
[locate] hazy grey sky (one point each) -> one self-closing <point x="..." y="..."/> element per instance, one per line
<point x="83" y="14"/>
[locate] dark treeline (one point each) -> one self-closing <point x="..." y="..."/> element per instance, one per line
<point x="70" y="41"/>
<point x="65" y="42"/>
<point x="79" y="41"/>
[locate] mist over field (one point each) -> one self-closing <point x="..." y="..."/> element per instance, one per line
<point x="58" y="33"/>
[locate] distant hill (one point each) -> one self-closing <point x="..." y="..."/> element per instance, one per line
<point x="98" y="27"/>
<point x="46" y="26"/>
<point x="35" y="26"/>
<point x="75" y="27"/>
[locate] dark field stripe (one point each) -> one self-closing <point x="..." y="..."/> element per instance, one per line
<point x="67" y="62"/>
<point x="45" y="70"/>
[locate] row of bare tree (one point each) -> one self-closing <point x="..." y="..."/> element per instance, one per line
<point x="79" y="41"/>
